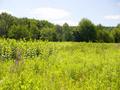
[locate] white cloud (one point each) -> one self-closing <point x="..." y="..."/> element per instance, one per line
<point x="7" y="11"/>
<point x="49" y="13"/>
<point x="54" y="15"/>
<point x="112" y="17"/>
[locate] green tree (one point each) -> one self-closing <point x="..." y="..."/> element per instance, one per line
<point x="6" y="20"/>
<point x="19" y="32"/>
<point x="99" y="27"/>
<point x="44" y="24"/>
<point x="66" y="33"/>
<point x="87" y="31"/>
<point x="48" y="34"/>
<point x="105" y="36"/>
<point x="58" y="30"/>
<point x="118" y="26"/>
<point x="32" y="27"/>
<point x="116" y="34"/>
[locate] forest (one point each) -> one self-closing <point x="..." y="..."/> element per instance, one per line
<point x="31" y="29"/>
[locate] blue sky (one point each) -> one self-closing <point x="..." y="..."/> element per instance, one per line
<point x="106" y="12"/>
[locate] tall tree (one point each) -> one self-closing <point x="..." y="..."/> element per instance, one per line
<point x="48" y="34"/>
<point x="87" y="30"/>
<point x="67" y="33"/>
<point x="19" y="32"/>
<point x="59" y="32"/>
<point x="6" y="20"/>
<point x="105" y="36"/>
<point x="116" y="34"/>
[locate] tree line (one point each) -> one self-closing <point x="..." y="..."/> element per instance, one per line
<point x="24" y="28"/>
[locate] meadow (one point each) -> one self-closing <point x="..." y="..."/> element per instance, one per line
<point x="59" y="65"/>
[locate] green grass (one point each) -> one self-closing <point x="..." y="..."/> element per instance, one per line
<point x="59" y="66"/>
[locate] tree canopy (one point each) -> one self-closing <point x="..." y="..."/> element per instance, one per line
<point x="86" y="31"/>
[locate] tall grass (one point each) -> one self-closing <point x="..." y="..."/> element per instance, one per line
<point x="59" y="66"/>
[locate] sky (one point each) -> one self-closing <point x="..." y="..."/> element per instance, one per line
<point x="105" y="12"/>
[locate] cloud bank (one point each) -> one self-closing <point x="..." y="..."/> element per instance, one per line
<point x="112" y="17"/>
<point x="50" y="13"/>
<point x="57" y="16"/>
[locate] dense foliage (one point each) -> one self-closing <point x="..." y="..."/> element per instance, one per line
<point x="59" y="65"/>
<point x="24" y="28"/>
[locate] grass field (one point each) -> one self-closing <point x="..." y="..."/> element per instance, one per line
<point x="59" y="66"/>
